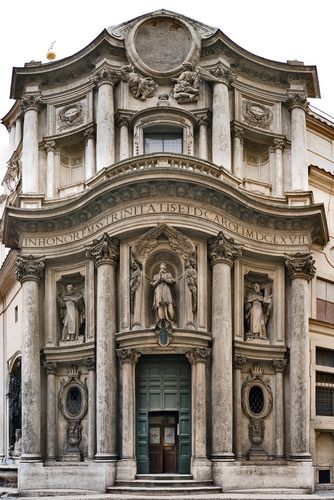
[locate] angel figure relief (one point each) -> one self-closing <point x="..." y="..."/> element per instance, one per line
<point x="258" y="307"/>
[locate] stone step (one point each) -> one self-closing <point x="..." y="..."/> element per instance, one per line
<point x="165" y="491"/>
<point x="164" y="483"/>
<point x="163" y="477"/>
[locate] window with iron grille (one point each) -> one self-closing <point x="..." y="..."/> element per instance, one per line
<point x="324" y="392"/>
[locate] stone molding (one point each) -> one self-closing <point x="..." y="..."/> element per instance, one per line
<point x="297" y="100"/>
<point x="90" y="363"/>
<point x="198" y="355"/>
<point x="29" y="268"/>
<point x="104" y="251"/>
<point x="239" y="361"/>
<point x="223" y="249"/>
<point x="50" y="367"/>
<point x="30" y="102"/>
<point x="300" y="265"/>
<point x="128" y="355"/>
<point x="279" y="365"/>
<point x="106" y="76"/>
<point x="223" y="75"/>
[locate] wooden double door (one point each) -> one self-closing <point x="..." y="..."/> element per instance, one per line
<point x="163" y="442"/>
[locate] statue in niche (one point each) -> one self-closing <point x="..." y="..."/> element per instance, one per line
<point x="191" y="279"/>
<point x="140" y="87"/>
<point x="135" y="280"/>
<point x="72" y="312"/>
<point x="258" y="307"/>
<point x="186" y="88"/>
<point x="163" y="302"/>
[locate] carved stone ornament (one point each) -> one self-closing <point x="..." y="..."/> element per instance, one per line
<point x="198" y="355"/>
<point x="29" y="268"/>
<point x="106" y="75"/>
<point x="256" y="394"/>
<point x="257" y="115"/>
<point x="104" y="251"/>
<point x="88" y="134"/>
<point x="223" y="74"/>
<point x="279" y="365"/>
<point x="71" y="116"/>
<point x="300" y="265"/>
<point x="140" y="87"/>
<point x="297" y="100"/>
<point x="223" y="249"/>
<point x="191" y="280"/>
<point x="164" y="332"/>
<point x="135" y="279"/>
<point x="128" y="355"/>
<point x="186" y="86"/>
<point x="50" y="367"/>
<point x="238" y="132"/>
<point x="256" y="431"/>
<point x="13" y="175"/>
<point x="89" y="363"/>
<point x="30" y="102"/>
<point x="239" y="361"/>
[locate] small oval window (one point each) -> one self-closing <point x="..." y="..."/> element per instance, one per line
<point x="256" y="399"/>
<point x="73" y="401"/>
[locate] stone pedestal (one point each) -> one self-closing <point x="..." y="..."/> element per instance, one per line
<point x="105" y="79"/>
<point x="106" y="253"/>
<point x="221" y="134"/>
<point x="222" y="253"/>
<point x="30" y="172"/>
<point x="301" y="270"/>
<point x="299" y="171"/>
<point x="201" y="467"/>
<point x="28" y="272"/>
<point x="127" y="467"/>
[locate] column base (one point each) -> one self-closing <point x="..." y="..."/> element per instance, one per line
<point x="106" y="457"/>
<point x="223" y="457"/>
<point x="300" y="457"/>
<point x="126" y="469"/>
<point x="30" y="458"/>
<point x="201" y="469"/>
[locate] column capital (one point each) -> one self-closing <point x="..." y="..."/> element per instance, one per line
<point x="300" y="265"/>
<point x="297" y="100"/>
<point x="129" y="355"/>
<point x="198" y="355"/>
<point x="89" y="363"/>
<point x="239" y="361"/>
<point x="238" y="132"/>
<point x="223" y="74"/>
<point x="223" y="249"/>
<point x="104" y="251"/>
<point x="123" y="118"/>
<point x="50" y="367"/>
<point x="279" y="365"/>
<point x="106" y="75"/>
<point x="30" y="102"/>
<point x="49" y="146"/>
<point x="29" y="268"/>
<point x="203" y="119"/>
<point x="278" y="143"/>
<point x="89" y="133"/>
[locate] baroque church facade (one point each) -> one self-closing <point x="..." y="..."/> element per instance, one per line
<point x="166" y="293"/>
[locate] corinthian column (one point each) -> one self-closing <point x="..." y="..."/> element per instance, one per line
<point x="301" y="270"/>
<point x="105" y="254"/>
<point x="30" y="174"/>
<point x="222" y="254"/>
<point x="28" y="272"/>
<point x="299" y="172"/>
<point x="105" y="79"/>
<point x="221" y="134"/>
<point x="127" y="467"/>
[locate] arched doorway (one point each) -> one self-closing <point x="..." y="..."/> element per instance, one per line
<point x="14" y="403"/>
<point x="163" y="396"/>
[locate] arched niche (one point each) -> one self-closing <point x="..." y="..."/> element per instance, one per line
<point x="163" y="244"/>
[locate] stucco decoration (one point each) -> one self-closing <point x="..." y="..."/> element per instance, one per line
<point x="257" y="115"/>
<point x="140" y="87"/>
<point x="13" y="175"/>
<point x="70" y="116"/>
<point x="186" y="88"/>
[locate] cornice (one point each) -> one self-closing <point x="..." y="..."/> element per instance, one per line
<point x="319" y="124"/>
<point x="321" y="179"/>
<point x="82" y="62"/>
<point x="256" y="67"/>
<point x="12" y="114"/>
<point x="7" y="271"/>
<point x="147" y="177"/>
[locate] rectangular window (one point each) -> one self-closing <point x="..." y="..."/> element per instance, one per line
<point x="163" y="142"/>
<point x="324" y="476"/>
<point x="324" y="394"/>
<point x="16" y="314"/>
<point x="324" y="357"/>
<point x="325" y="301"/>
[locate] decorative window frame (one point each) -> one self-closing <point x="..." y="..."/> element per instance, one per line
<point x="163" y="117"/>
<point x="73" y="381"/>
<point x="256" y="381"/>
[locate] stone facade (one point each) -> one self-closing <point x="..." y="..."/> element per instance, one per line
<point x="166" y="295"/>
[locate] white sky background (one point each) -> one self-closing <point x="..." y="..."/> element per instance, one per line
<point x="280" y="30"/>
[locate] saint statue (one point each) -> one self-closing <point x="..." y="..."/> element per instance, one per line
<point x="72" y="310"/>
<point x="257" y="311"/>
<point x="163" y="302"/>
